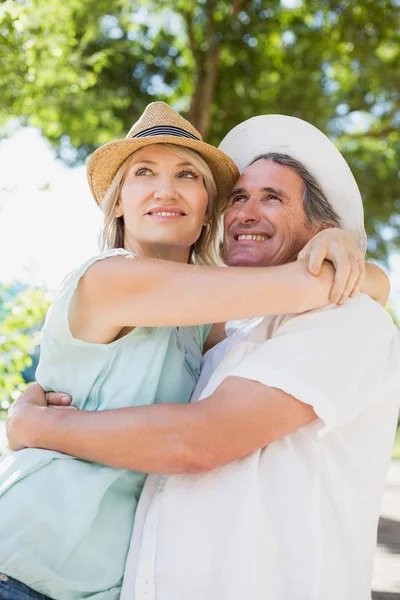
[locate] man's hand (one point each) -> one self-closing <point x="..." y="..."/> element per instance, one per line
<point x="17" y="426"/>
<point x="59" y="400"/>
<point x="20" y="416"/>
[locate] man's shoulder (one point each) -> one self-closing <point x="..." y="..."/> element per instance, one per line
<point x="358" y="311"/>
<point x="360" y="318"/>
<point x="357" y="315"/>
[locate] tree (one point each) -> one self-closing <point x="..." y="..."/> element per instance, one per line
<point x="83" y="70"/>
<point x="21" y="315"/>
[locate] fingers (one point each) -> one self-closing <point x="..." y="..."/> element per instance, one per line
<point x="58" y="399"/>
<point x="361" y="277"/>
<point x="316" y="257"/>
<point x="303" y="254"/>
<point x="64" y="407"/>
<point x="341" y="262"/>
<point x="35" y="392"/>
<point x="350" y="274"/>
<point x="352" y="279"/>
<point x="338" y="247"/>
<point x="314" y="253"/>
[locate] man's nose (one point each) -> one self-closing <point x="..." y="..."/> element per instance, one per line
<point x="249" y="211"/>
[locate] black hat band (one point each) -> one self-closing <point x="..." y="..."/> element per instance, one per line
<point x="166" y="130"/>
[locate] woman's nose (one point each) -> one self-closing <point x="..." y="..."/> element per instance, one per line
<point x="165" y="189"/>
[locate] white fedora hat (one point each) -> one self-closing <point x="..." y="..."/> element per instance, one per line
<point x="308" y="145"/>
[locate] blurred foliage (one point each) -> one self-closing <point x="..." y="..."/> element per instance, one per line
<point x="393" y="315"/>
<point x="21" y="315"/>
<point x="83" y="70"/>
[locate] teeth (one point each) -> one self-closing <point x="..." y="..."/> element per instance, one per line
<point x="167" y="214"/>
<point x="257" y="238"/>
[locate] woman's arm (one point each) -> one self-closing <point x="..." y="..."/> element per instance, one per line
<point x="376" y="284"/>
<point x="142" y="291"/>
<point x="137" y="291"/>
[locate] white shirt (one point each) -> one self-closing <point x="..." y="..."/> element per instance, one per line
<point x="296" y="520"/>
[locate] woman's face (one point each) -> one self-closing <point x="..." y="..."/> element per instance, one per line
<point x="163" y="202"/>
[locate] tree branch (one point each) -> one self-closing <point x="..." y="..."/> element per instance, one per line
<point x="190" y="31"/>
<point x="237" y="7"/>
<point x="207" y="67"/>
<point x="369" y="134"/>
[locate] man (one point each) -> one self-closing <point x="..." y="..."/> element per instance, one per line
<point x="289" y="445"/>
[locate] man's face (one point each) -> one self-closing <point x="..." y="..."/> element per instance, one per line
<point x="265" y="223"/>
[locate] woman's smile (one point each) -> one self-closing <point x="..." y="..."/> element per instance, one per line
<point x="163" y="188"/>
<point x="166" y="213"/>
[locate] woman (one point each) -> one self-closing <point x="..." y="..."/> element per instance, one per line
<point x="128" y="328"/>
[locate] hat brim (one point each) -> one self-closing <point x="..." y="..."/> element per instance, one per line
<point x="105" y="162"/>
<point x="302" y="141"/>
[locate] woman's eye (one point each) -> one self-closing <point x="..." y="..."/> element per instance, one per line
<point x="188" y="175"/>
<point x="143" y="171"/>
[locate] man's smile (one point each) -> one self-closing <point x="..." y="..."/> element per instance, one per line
<point x="251" y="237"/>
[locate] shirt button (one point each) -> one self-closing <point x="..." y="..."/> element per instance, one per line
<point x="3" y="577"/>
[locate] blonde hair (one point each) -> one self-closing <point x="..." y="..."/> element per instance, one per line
<point x="205" y="250"/>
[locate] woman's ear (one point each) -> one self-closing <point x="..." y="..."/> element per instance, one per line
<point x="206" y="220"/>
<point x="118" y="212"/>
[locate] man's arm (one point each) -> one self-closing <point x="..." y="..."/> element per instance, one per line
<point x="338" y="361"/>
<point x="240" y="417"/>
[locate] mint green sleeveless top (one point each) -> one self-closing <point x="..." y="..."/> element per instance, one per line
<point x="66" y="523"/>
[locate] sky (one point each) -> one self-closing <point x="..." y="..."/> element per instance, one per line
<point x="49" y="222"/>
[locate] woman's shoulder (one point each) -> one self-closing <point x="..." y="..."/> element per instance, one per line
<point x="98" y="257"/>
<point x="71" y="280"/>
<point x="59" y="307"/>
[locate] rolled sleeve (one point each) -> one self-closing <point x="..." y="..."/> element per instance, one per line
<point x="335" y="359"/>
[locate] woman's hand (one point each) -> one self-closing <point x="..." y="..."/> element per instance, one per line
<point x="339" y="248"/>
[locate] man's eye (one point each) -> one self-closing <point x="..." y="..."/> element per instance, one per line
<point x="238" y="199"/>
<point x="188" y="175"/>
<point x="143" y="171"/>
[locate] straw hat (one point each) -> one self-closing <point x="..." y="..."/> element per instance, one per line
<point x="159" y="124"/>
<point x="307" y="144"/>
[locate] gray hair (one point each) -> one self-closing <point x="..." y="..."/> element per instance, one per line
<point x="317" y="207"/>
